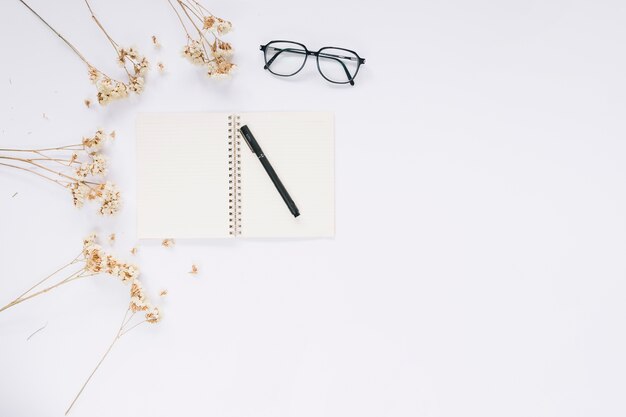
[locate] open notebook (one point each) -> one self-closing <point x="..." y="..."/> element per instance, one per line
<point x="197" y="178"/>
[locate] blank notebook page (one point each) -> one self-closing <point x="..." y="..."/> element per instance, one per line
<point x="182" y="174"/>
<point x="300" y="147"/>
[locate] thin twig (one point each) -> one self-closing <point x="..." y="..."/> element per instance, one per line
<point x="179" y="18"/>
<point x="77" y="147"/>
<point x="30" y="161"/>
<point x="185" y="5"/>
<point x="57" y="33"/>
<point x="137" y="324"/>
<point x="62" y="162"/>
<point x="125" y="322"/>
<point x="19" y="300"/>
<point x="37" y="331"/>
<point x="93" y="16"/>
<point x="36" y="173"/>
<point x="115" y="339"/>
<point x="204" y="8"/>
<point x="49" y="276"/>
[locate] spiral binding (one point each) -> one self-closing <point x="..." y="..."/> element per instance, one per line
<point x="234" y="175"/>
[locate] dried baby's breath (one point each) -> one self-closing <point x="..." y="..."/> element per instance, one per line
<point x="153" y="316"/>
<point x="205" y="47"/>
<point x="167" y="243"/>
<point x="111" y="238"/>
<point x="161" y="67"/>
<point x="134" y="250"/>
<point x="87" y="103"/>
<point x="163" y="293"/>
<point x="81" y="168"/>
<point x="108" y="88"/>
<point x="95" y="261"/>
<point x="155" y="42"/>
<point x="194" y="269"/>
<point x="132" y="62"/>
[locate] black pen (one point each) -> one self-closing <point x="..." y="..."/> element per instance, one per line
<point x="256" y="149"/>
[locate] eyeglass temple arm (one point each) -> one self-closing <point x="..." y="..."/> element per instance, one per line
<point x="323" y="55"/>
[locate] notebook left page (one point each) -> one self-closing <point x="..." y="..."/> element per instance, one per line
<point x="182" y="175"/>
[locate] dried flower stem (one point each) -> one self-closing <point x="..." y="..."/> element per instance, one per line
<point x="32" y="172"/>
<point x="26" y="295"/>
<point x="76" y="147"/>
<point x="123" y="329"/>
<point x="179" y="18"/>
<point x="31" y="161"/>
<point x="68" y="43"/>
<point x="37" y="331"/>
<point x="95" y="19"/>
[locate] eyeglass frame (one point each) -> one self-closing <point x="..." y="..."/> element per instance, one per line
<point x="360" y="61"/>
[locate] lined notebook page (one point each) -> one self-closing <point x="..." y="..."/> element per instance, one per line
<point x="300" y="147"/>
<point x="182" y="174"/>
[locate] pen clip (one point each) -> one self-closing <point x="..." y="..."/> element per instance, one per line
<point x="245" y="137"/>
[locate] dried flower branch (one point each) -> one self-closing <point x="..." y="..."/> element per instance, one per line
<point x="139" y="311"/>
<point x="81" y="168"/>
<point x="205" y="47"/>
<point x="138" y="303"/>
<point x="109" y="88"/>
<point x="92" y="260"/>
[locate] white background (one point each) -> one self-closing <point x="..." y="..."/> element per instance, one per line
<point x="478" y="266"/>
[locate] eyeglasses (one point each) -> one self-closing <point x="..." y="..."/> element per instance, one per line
<point x="286" y="58"/>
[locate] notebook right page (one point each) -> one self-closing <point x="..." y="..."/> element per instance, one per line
<point x="301" y="149"/>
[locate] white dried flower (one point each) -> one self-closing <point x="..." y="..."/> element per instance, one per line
<point x="94" y="74"/>
<point x="80" y="193"/>
<point x="136" y="84"/>
<point x="98" y="166"/>
<point x="221" y="49"/>
<point x="109" y="90"/>
<point x="109" y="198"/>
<point x="82" y="171"/>
<point x="209" y="23"/>
<point x="141" y="67"/>
<point x="194" y="52"/>
<point x="95" y="142"/>
<point x="224" y="26"/>
<point x="153" y="315"/>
